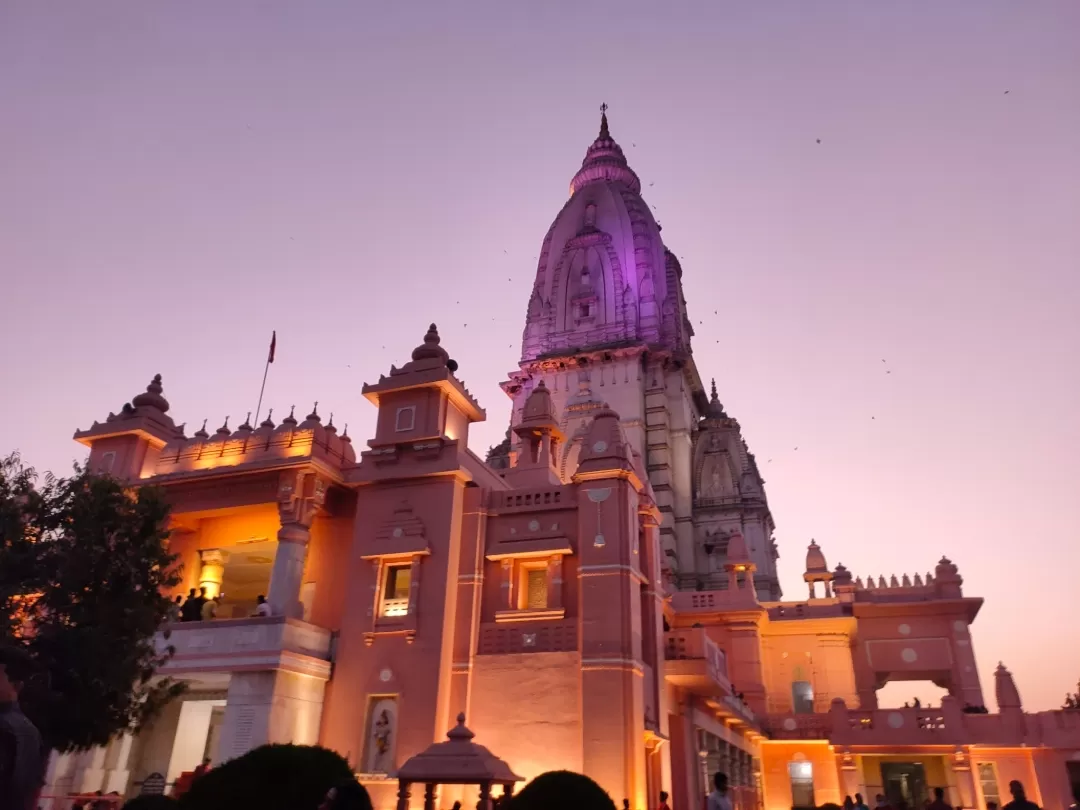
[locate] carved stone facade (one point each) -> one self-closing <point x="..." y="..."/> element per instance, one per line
<point x="606" y="324"/>
<point x="604" y="601"/>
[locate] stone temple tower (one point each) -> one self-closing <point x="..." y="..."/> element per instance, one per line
<point x="607" y="326"/>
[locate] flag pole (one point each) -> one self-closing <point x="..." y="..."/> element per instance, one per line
<point x="262" y="390"/>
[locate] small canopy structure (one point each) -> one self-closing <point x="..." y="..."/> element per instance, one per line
<point x="457" y="761"/>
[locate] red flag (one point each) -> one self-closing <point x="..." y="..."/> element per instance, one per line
<point x="273" y="347"/>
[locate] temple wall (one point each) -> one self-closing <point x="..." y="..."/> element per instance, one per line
<point x="823" y="660"/>
<point x="326" y="572"/>
<point x="776" y="756"/>
<point x="527" y="709"/>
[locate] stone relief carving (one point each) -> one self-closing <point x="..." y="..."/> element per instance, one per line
<point x="301" y="494"/>
<point x="379" y="745"/>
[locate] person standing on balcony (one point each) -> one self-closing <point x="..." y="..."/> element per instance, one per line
<point x="663" y="801"/>
<point x="192" y="608"/>
<point x="262" y="607"/>
<point x="719" y="798"/>
<point x="208" y="611"/>
<point x="939" y="802"/>
<point x="859" y="803"/>
<point x="22" y="754"/>
<point x="1020" y="800"/>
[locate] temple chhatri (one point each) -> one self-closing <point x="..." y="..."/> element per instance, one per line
<point x="600" y="594"/>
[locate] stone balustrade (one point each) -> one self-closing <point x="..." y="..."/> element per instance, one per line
<point x="695" y="660"/>
<point x="261" y="643"/>
<point x="504" y="638"/>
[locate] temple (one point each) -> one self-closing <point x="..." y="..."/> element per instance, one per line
<point x="599" y="594"/>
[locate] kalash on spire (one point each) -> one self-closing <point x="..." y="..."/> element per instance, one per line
<point x="607" y="326"/>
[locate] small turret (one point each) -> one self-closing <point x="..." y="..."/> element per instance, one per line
<point x="947" y="579"/>
<point x="817" y="570"/>
<point x="127" y="444"/>
<point x="739" y="566"/>
<point x="540" y="437"/>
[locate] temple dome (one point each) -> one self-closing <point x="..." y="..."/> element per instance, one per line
<point x="815" y="559"/>
<point x="602" y="275"/>
<point x="605" y="161"/>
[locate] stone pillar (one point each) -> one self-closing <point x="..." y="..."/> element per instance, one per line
<point x="287" y="574"/>
<point x="555" y="582"/>
<point x="507" y="584"/>
<point x="270" y="707"/>
<point x="849" y="773"/>
<point x="612" y="679"/>
<point x="117" y="771"/>
<point x="90" y="776"/>
<point x="964" y="780"/>
<point x="212" y="572"/>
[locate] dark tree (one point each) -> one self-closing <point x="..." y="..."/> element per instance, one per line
<point x="84" y="567"/>
<point x="1072" y="700"/>
<point x="270" y="777"/>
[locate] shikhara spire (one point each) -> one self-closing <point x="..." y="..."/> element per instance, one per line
<point x="606" y="323"/>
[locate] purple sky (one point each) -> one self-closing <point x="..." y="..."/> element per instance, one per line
<point x="178" y="179"/>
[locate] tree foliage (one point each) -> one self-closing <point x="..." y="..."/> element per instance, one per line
<point x="563" y="789"/>
<point x="84" y="568"/>
<point x="1072" y="700"/>
<point x="270" y="777"/>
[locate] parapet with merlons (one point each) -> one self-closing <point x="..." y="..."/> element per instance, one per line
<point x="267" y="445"/>
<point x="947" y="724"/>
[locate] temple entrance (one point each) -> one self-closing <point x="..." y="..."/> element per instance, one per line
<point x="904" y="783"/>
<point x="801" y="774"/>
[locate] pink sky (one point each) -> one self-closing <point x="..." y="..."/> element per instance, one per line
<point x="179" y="179"/>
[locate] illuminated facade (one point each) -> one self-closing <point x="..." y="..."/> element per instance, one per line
<point x="602" y="596"/>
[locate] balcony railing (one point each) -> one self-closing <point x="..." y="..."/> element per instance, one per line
<point x="226" y="645"/>
<point x="694" y="660"/>
<point x="789" y="726"/>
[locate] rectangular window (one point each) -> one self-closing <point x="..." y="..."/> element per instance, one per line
<point x="988" y="783"/>
<point x="802" y="697"/>
<point x="536" y="589"/>
<point x="395" y="597"/>
<point x="802" y="784"/>
<point x="106" y="464"/>
<point x="405" y="419"/>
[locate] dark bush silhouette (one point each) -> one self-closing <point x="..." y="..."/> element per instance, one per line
<point x="271" y="777"/>
<point x="151" y="803"/>
<point x="565" y="790"/>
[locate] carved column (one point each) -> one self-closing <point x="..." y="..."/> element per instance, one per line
<point x="555" y="582"/>
<point x="403" y="795"/>
<point x="429" y="796"/>
<point x="849" y="773"/>
<point x="964" y="780"/>
<point x="212" y="572"/>
<point x="117" y="772"/>
<point x="507" y="584"/>
<point x="300" y="496"/>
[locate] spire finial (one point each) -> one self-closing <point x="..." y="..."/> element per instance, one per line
<point x="201" y="432"/>
<point x="603" y="122"/>
<point x="714" y="396"/>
